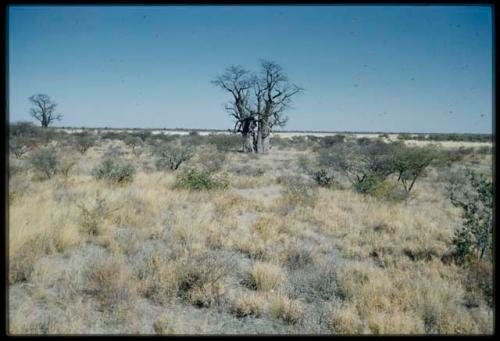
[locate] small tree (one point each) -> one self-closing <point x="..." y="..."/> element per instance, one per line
<point x="363" y="165"/>
<point x="84" y="141"/>
<point x="44" y="110"/>
<point x="171" y="156"/>
<point x="411" y="163"/>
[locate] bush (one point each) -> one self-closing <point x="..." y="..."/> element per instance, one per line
<point x="474" y="239"/>
<point x="369" y="182"/>
<point x="199" y="180"/>
<point x="114" y="171"/>
<point x="19" y="145"/>
<point x="411" y="163"/>
<point x="329" y="141"/>
<point x="24" y="129"/>
<point x="322" y="178"/>
<point x="45" y="161"/>
<point x="362" y="164"/>
<point x="225" y="142"/>
<point x="171" y="156"/>
<point x="84" y="141"/>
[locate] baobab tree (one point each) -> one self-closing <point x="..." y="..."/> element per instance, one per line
<point x="236" y="80"/>
<point x="44" y="110"/>
<point x="273" y="92"/>
<point x="258" y="103"/>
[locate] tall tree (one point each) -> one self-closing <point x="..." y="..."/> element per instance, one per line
<point x="274" y="96"/>
<point x="44" y="109"/>
<point x="236" y="80"/>
<point x="258" y="103"/>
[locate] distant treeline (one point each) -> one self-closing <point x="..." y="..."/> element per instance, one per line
<point x="467" y="137"/>
<point x="447" y="137"/>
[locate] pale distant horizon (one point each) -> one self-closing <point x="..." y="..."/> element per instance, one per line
<point x="380" y="69"/>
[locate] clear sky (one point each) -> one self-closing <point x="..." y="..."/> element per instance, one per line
<point x="364" y="68"/>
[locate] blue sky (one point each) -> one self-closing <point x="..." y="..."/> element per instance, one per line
<point x="364" y="68"/>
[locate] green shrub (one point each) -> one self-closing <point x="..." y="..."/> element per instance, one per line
<point x="171" y="156"/>
<point x="474" y="239"/>
<point x="411" y="163"/>
<point x="322" y="178"/>
<point x="368" y="182"/>
<point x="198" y="180"/>
<point x="114" y="171"/>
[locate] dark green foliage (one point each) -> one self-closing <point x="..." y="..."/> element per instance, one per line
<point x="411" y="163"/>
<point x="114" y="171"/>
<point x="474" y="195"/>
<point x="322" y="178"/>
<point x="199" y="180"/>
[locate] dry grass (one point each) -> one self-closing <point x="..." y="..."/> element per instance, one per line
<point x="154" y="259"/>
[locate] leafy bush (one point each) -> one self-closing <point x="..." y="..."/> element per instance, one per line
<point x="475" y="237"/>
<point x="363" y="165"/>
<point x="322" y="178"/>
<point x="84" y="141"/>
<point x="171" y="156"/>
<point x="411" y="163"/>
<point x="114" y="171"/>
<point x="133" y="141"/>
<point x="198" y="180"/>
<point x="45" y="161"/>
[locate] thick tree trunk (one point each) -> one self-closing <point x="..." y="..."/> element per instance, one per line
<point x="263" y="135"/>
<point x="248" y="146"/>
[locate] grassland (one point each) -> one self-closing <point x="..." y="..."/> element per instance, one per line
<point x="87" y="256"/>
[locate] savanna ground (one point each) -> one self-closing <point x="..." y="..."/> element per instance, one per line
<point x="255" y="254"/>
